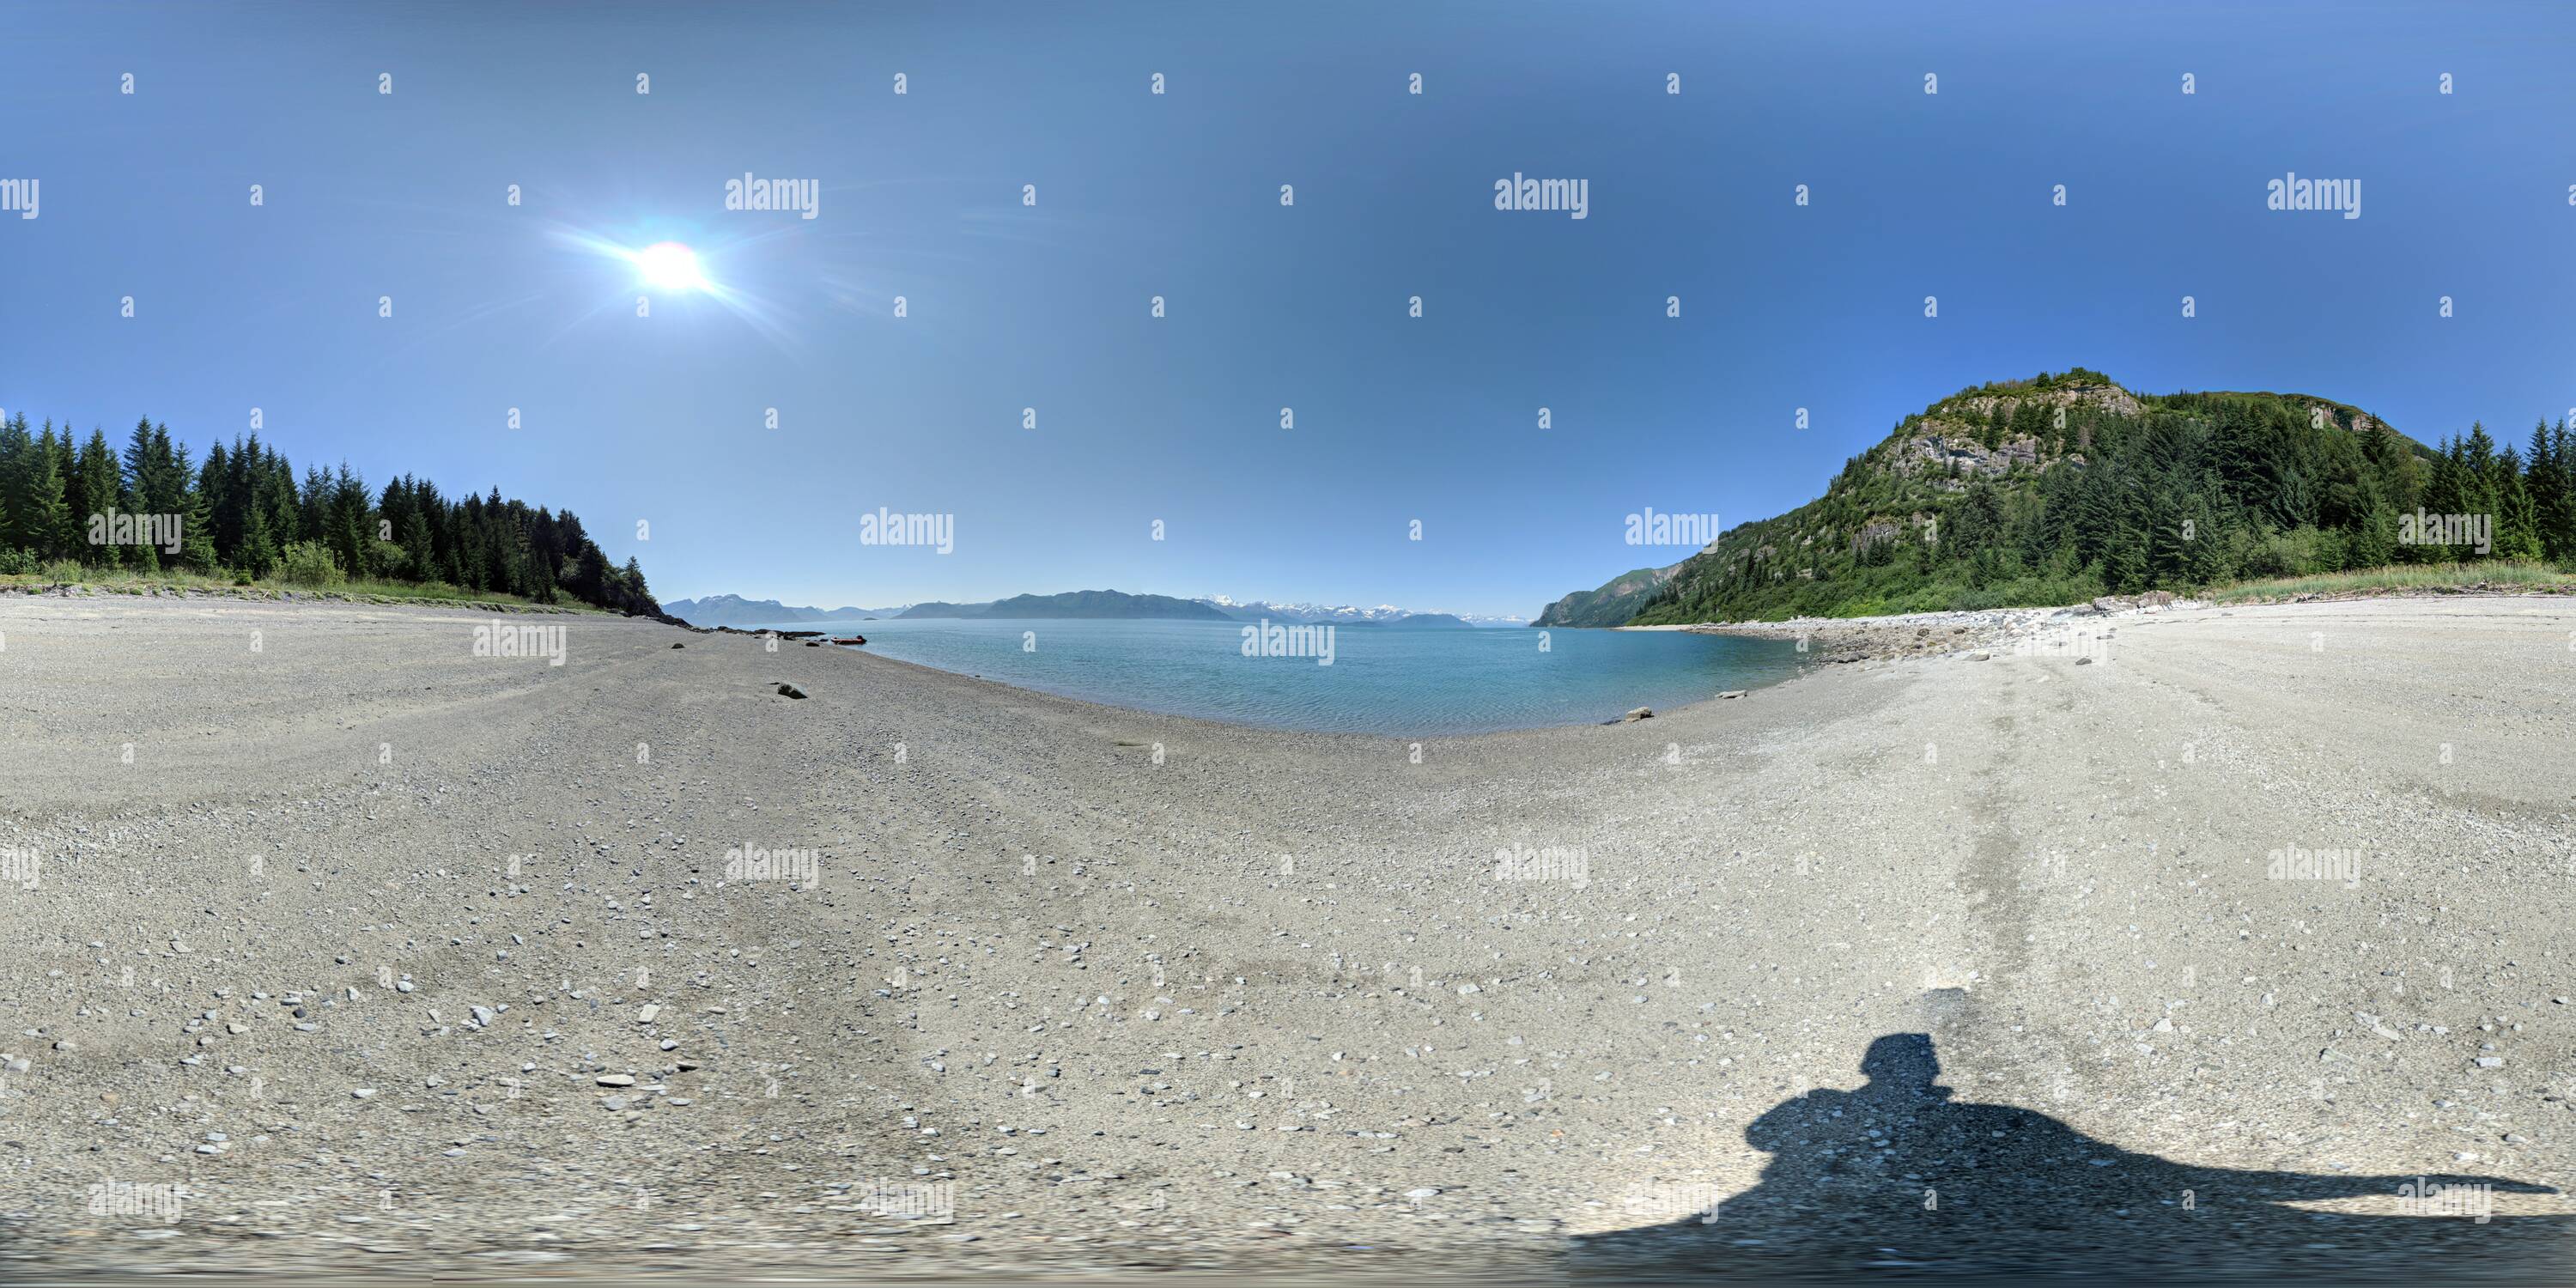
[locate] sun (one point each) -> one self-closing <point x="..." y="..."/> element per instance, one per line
<point x="670" y="266"/>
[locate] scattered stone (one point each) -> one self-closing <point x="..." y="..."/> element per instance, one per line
<point x="789" y="690"/>
<point x="1641" y="713"/>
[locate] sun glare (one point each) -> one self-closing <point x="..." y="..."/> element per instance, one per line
<point x="670" y="266"/>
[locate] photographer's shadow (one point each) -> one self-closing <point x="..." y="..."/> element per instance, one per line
<point x="1897" y="1178"/>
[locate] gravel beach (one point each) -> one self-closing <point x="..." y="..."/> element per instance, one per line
<point x="361" y="939"/>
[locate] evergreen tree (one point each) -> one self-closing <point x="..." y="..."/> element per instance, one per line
<point x="40" y="522"/>
<point x="420" y="556"/>
<point x="2553" y="506"/>
<point x="15" y="447"/>
<point x="2517" y="519"/>
<point x="95" y="491"/>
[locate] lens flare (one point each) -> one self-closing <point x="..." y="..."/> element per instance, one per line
<point x="670" y="266"/>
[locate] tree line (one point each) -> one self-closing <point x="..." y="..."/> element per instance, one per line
<point x="242" y="513"/>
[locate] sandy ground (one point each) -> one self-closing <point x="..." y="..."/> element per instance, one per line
<point x="2172" y="950"/>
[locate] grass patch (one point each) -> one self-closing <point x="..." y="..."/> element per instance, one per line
<point x="184" y="581"/>
<point x="2493" y="575"/>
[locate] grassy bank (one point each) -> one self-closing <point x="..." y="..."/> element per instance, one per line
<point x="2495" y="576"/>
<point x="179" y="581"/>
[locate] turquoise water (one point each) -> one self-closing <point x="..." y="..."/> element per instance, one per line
<point x="1380" y="682"/>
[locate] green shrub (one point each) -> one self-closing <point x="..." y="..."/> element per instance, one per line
<point x="309" y="563"/>
<point x="61" y="570"/>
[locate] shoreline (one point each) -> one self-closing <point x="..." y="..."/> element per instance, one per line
<point x="1750" y="685"/>
<point x="1492" y="998"/>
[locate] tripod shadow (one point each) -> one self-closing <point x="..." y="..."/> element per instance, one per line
<point x="1896" y="1178"/>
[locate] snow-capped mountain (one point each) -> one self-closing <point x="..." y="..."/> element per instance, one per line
<point x="1345" y="614"/>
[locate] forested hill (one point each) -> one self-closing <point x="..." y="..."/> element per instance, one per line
<point x="241" y="512"/>
<point x="2064" y="487"/>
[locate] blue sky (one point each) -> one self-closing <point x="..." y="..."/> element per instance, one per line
<point x="1397" y="419"/>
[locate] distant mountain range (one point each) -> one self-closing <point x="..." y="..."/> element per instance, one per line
<point x="734" y="610"/>
<point x="1074" y="603"/>
<point x="1345" y="615"/>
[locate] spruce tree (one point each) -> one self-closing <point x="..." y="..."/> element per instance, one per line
<point x="420" y="557"/>
<point x="2517" y="520"/>
<point x="95" y="484"/>
<point x="2553" y="508"/>
<point x="15" y="449"/>
<point x="43" y="522"/>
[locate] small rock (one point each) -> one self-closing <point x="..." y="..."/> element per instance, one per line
<point x="790" y="690"/>
<point x="1641" y="713"/>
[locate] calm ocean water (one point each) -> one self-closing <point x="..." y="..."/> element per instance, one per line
<point x="1381" y="681"/>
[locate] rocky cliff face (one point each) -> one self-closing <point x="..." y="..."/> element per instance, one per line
<point x="1950" y="438"/>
